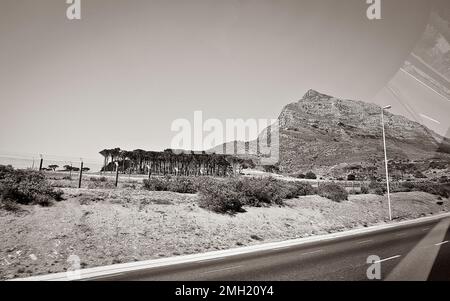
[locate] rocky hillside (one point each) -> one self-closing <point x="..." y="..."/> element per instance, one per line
<point x="321" y="132"/>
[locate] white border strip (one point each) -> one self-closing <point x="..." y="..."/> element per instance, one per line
<point x="112" y="270"/>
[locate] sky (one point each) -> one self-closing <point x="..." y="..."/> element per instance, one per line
<point x="123" y="73"/>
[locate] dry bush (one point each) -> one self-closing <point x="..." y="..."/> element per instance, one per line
<point x="333" y="192"/>
<point x="439" y="189"/>
<point x="26" y="187"/>
<point x="174" y="184"/>
<point x="220" y="197"/>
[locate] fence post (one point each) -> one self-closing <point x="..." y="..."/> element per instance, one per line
<point x="117" y="173"/>
<point x="40" y="164"/>
<point x="149" y="171"/>
<point x="81" y="175"/>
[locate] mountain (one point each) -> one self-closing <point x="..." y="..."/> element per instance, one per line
<point x="322" y="133"/>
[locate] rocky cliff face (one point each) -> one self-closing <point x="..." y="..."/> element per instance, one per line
<point x="320" y="132"/>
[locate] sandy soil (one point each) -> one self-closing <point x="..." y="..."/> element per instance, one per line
<point x="107" y="226"/>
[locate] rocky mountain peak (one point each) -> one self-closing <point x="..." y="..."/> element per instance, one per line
<point x="321" y="131"/>
<point x="313" y="95"/>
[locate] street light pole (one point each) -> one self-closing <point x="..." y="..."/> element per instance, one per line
<point x="386" y="161"/>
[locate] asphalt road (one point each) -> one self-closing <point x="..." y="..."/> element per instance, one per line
<point x="417" y="252"/>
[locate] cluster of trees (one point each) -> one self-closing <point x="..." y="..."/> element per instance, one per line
<point x="54" y="167"/>
<point x="309" y="175"/>
<point x="169" y="162"/>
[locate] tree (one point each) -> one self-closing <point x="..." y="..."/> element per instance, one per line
<point x="351" y="177"/>
<point x="86" y="169"/>
<point x="105" y="153"/>
<point x="114" y="153"/>
<point x="139" y="154"/>
<point x="310" y="175"/>
<point x="53" y="167"/>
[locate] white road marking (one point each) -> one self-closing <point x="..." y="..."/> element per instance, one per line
<point x="426" y="229"/>
<point x="312" y="252"/>
<point x="104" y="271"/>
<point x="364" y="241"/>
<point x="386" y="259"/>
<point x="441" y="243"/>
<point x="224" y="269"/>
<point x="418" y="263"/>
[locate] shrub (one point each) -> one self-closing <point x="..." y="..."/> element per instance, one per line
<point x="442" y="190"/>
<point x="310" y="175"/>
<point x="268" y="191"/>
<point x="380" y="191"/>
<point x="101" y="185"/>
<point x="377" y="188"/>
<point x="271" y="168"/>
<point x="263" y="191"/>
<point x="419" y="175"/>
<point x="255" y="192"/>
<point x="176" y="184"/>
<point x="26" y="187"/>
<point x="156" y="184"/>
<point x="438" y="165"/>
<point x="220" y="197"/>
<point x="304" y="189"/>
<point x="333" y="192"/>
<point x="364" y="190"/>
<point x="182" y="185"/>
<point x="374" y="184"/>
<point x="354" y="192"/>
<point x="98" y="179"/>
<point x="9" y="206"/>
<point x="129" y="185"/>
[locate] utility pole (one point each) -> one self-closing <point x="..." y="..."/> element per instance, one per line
<point x="386" y="160"/>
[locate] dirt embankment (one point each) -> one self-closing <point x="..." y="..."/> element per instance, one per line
<point x="107" y="226"/>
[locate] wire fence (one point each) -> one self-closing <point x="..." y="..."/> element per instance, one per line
<point x="49" y="162"/>
<point x="78" y="167"/>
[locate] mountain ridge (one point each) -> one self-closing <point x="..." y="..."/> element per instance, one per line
<point x="320" y="132"/>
